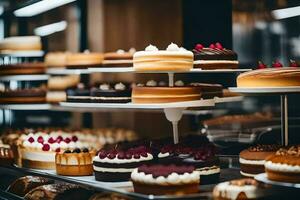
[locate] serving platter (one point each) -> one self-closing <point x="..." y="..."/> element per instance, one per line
<point x="263" y="178"/>
<point x="265" y="90"/>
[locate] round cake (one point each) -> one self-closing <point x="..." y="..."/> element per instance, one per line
<point x="84" y="60"/>
<point x="284" y="166"/>
<point x="56" y="59"/>
<point x="34" y="95"/>
<point x="116" y="165"/>
<point x="111" y="93"/>
<point x="6" y="155"/>
<point x="119" y="58"/>
<point x="22" y="68"/>
<point x="171" y="59"/>
<point x="21" y="43"/>
<point x="252" y="160"/>
<point x="241" y="189"/>
<point x="214" y="57"/>
<point x="271" y="77"/>
<point x="75" y="163"/>
<point x="62" y="83"/>
<point x="165" y="180"/>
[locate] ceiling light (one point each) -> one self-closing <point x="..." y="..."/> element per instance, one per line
<point x="50" y="28"/>
<point x="286" y="12"/>
<point x="40" y="7"/>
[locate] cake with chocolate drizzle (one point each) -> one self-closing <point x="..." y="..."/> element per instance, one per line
<point x="165" y="179"/>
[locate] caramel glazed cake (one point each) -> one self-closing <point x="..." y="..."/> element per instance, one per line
<point x="171" y="59"/>
<point x="271" y="77"/>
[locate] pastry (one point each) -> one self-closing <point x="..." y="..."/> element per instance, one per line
<point x="240" y="189"/>
<point x="22" y="68"/>
<point x="151" y="93"/>
<point x="79" y="94"/>
<point x="61" y="83"/>
<point x="171" y="59"/>
<point x="56" y="59"/>
<point x="34" y="95"/>
<point x="214" y="57"/>
<point x="6" y="155"/>
<point x="58" y="191"/>
<point x="20" y="43"/>
<point x="116" y="165"/>
<point x="111" y="93"/>
<point x="271" y="77"/>
<point x="84" y="60"/>
<point x="23" y="185"/>
<point x="165" y="180"/>
<point x="119" y="58"/>
<point x="252" y="160"/>
<point x="78" y="162"/>
<point x="284" y="166"/>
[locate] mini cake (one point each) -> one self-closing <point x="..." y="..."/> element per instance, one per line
<point x="79" y="94"/>
<point x="119" y="58"/>
<point x="165" y="180"/>
<point x="214" y="57"/>
<point x="22" y="68"/>
<point x="6" y="155"/>
<point x="23" y="185"/>
<point x="284" y="166"/>
<point x="21" y="43"/>
<point x="84" y="60"/>
<point x="117" y="165"/>
<point x="56" y="59"/>
<point x="111" y="93"/>
<point x="252" y="160"/>
<point x="34" y="95"/>
<point x="241" y="189"/>
<point x="171" y="59"/>
<point x="271" y="77"/>
<point x="75" y="163"/>
<point x="151" y="93"/>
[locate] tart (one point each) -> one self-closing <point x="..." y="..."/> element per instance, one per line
<point x="6" y="155"/>
<point x="120" y="58"/>
<point x="284" y="165"/>
<point x="252" y="160"/>
<point x="165" y="180"/>
<point x="214" y="57"/>
<point x="22" y="68"/>
<point x="171" y="59"/>
<point x="116" y="165"/>
<point x="20" y="43"/>
<point x="75" y="163"/>
<point x="84" y="60"/>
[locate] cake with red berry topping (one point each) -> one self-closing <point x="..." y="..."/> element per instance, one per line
<point x="78" y="162"/>
<point x="270" y="77"/>
<point x="214" y="57"/>
<point x="117" y="164"/>
<point x="174" y="58"/>
<point x="165" y="180"/>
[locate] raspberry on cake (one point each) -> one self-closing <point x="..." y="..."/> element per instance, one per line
<point x="174" y="58"/>
<point x="252" y="160"/>
<point x="78" y="162"/>
<point x="116" y="165"/>
<point x="120" y="58"/>
<point x="165" y="180"/>
<point x="284" y="165"/>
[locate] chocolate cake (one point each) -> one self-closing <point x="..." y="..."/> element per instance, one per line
<point x="111" y="93"/>
<point x="22" y="68"/>
<point x="120" y="58"/>
<point x="79" y="94"/>
<point x="34" y="95"/>
<point x="116" y="165"/>
<point x="23" y="185"/>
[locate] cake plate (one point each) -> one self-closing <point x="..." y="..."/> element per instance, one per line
<point x="22" y="54"/>
<point x="34" y="77"/>
<point x="263" y="178"/>
<point x="64" y="71"/>
<point x="283" y="92"/>
<point x="44" y="106"/>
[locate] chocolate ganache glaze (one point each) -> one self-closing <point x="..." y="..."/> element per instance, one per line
<point x="214" y="54"/>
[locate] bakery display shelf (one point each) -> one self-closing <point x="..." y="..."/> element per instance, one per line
<point x="228" y="99"/>
<point x="34" y="77"/>
<point x="22" y="54"/>
<point x="64" y="71"/>
<point x="9" y="196"/>
<point x="264" y="179"/>
<point x="25" y="106"/>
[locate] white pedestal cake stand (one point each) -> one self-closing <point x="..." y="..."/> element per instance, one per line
<point x="283" y="92"/>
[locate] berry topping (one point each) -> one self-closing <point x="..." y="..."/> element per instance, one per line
<point x="198" y="47"/>
<point x="46" y="147"/>
<point x="51" y="140"/>
<point x="57" y="150"/>
<point x="293" y="63"/>
<point x="144" y="154"/>
<point x="67" y="140"/>
<point x="59" y="139"/>
<point x="40" y="140"/>
<point x="111" y="156"/>
<point x="277" y="64"/>
<point x="128" y="155"/>
<point x="261" y="65"/>
<point x="74" y="138"/>
<point x="77" y="150"/>
<point x="85" y="150"/>
<point x="136" y="156"/>
<point x="219" y="46"/>
<point x="102" y="154"/>
<point x="121" y="155"/>
<point x="212" y="46"/>
<point x="67" y="151"/>
<point x="31" y="140"/>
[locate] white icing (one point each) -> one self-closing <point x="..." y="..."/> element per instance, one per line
<point x="282" y="167"/>
<point x="182" y="49"/>
<point x="172" y="179"/>
<point x="104" y="87"/>
<point x="63" y="145"/>
<point x="209" y="170"/>
<point x="163" y="155"/>
<point x="2" y="87"/>
<point x="120" y="51"/>
<point x="43" y="156"/>
<point x="151" y="48"/>
<point x="54" y="146"/>
<point x="179" y="83"/>
<point x="252" y="162"/>
<point x="151" y="83"/>
<point x="121" y="161"/>
<point x="102" y="169"/>
<point x="247" y="174"/>
<point x="173" y="47"/>
<point x="132" y="50"/>
<point x="120" y="86"/>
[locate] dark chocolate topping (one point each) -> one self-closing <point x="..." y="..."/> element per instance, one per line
<point x="214" y="54"/>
